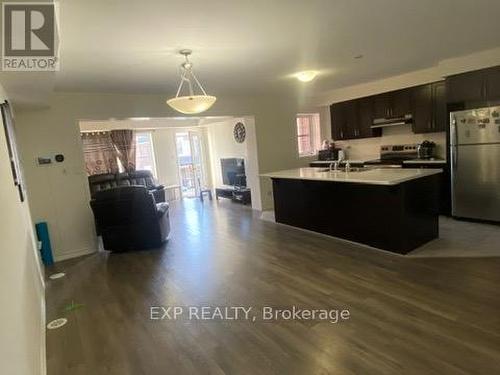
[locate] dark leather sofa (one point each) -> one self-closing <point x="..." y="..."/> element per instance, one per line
<point x="105" y="181"/>
<point x="128" y="218"/>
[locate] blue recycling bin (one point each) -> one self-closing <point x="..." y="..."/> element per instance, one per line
<point x="42" y="232"/>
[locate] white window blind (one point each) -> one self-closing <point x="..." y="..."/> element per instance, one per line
<point x="308" y="134"/>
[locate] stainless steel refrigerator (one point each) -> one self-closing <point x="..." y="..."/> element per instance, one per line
<point x="475" y="163"/>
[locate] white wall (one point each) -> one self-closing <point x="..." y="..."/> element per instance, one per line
<point x="22" y="312"/>
<point x="222" y="145"/>
<point x="252" y="163"/>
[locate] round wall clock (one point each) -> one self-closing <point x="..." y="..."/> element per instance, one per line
<point x="239" y="132"/>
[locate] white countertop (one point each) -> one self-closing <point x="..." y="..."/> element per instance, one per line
<point x="375" y="176"/>
<point x="363" y="161"/>
<point x="425" y="161"/>
<point x="328" y="162"/>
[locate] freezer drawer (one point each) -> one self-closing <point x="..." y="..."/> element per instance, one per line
<point x="476" y="181"/>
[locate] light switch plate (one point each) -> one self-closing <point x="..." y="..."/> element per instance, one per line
<point x="44" y="160"/>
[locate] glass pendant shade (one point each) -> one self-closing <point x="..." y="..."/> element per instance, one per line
<point x="190" y="104"/>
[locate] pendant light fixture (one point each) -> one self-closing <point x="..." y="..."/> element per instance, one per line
<point x="191" y="103"/>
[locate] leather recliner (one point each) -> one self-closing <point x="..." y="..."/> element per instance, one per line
<point x="128" y="218"/>
<point x="105" y="181"/>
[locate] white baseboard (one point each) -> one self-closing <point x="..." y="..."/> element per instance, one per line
<point x="73" y="254"/>
<point x="43" y="345"/>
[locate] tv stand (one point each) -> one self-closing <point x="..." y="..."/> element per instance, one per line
<point x="235" y="193"/>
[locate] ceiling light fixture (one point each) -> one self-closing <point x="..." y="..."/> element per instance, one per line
<point x="191" y="103"/>
<point x="306" y="75"/>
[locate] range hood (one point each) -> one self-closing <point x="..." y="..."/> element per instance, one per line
<point x="391" y="121"/>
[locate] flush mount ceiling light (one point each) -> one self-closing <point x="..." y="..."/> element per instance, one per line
<point x="306" y="75"/>
<point x="191" y="103"/>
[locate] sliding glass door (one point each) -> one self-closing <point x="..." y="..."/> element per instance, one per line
<point x="190" y="162"/>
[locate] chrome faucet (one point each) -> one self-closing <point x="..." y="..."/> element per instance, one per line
<point x="335" y="165"/>
<point x="347" y="166"/>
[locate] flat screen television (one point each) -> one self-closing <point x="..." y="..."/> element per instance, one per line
<point x="233" y="172"/>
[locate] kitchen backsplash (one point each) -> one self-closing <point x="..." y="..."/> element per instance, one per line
<point x="369" y="148"/>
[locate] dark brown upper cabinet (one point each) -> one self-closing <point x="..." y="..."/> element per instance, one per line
<point x="343" y="118"/>
<point x="493" y="84"/>
<point x="353" y="119"/>
<point x="427" y="103"/>
<point x="365" y="119"/>
<point x="440" y="113"/>
<point x="480" y="86"/>
<point x="336" y="120"/>
<point x="382" y="105"/>
<point x="422" y="108"/>
<point x="429" y="108"/>
<point x="401" y="103"/>
<point x="392" y="104"/>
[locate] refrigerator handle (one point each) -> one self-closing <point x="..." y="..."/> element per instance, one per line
<point x="454" y="155"/>
<point x="453" y="132"/>
<point x="454" y="143"/>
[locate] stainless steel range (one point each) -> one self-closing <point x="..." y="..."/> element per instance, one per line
<point x="394" y="155"/>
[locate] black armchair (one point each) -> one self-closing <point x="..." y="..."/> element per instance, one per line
<point x="128" y="218"/>
<point x="110" y="180"/>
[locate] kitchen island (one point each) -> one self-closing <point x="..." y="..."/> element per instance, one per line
<point x="390" y="209"/>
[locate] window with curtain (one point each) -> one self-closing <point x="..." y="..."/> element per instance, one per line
<point x="99" y="153"/>
<point x="144" y="156"/>
<point x="308" y="134"/>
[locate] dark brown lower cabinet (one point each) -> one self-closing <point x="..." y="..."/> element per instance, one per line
<point x="396" y="218"/>
<point x="444" y="185"/>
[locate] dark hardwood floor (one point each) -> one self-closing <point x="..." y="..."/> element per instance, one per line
<point x="407" y="315"/>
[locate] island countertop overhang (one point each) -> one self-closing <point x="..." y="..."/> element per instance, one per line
<point x="376" y="176"/>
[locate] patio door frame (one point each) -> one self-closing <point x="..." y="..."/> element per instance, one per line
<point x="197" y="184"/>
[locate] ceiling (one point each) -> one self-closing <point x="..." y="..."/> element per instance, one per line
<point x="252" y="47"/>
